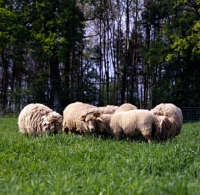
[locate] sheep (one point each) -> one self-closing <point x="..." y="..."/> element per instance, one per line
<point x="103" y="126"/>
<point x="130" y="123"/>
<point x="38" y="119"/>
<point x="109" y="109"/>
<point x="170" y="118"/>
<point x="80" y="118"/>
<point x="126" y="107"/>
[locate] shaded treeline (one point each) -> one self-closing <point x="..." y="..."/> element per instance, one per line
<point x="100" y="52"/>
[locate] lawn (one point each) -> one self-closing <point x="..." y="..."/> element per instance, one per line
<point x="69" y="164"/>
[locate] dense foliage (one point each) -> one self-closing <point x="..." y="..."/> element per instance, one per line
<point x="100" y="52"/>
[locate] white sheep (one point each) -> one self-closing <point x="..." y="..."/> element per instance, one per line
<point x="109" y="109"/>
<point x="126" y="107"/>
<point x="38" y="119"/>
<point x="170" y="118"/>
<point x="130" y="123"/>
<point x="80" y="118"/>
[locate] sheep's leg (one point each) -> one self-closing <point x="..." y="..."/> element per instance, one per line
<point x="69" y="131"/>
<point x="65" y="129"/>
<point x="118" y="133"/>
<point x="128" y="138"/>
<point x="149" y="141"/>
<point x="147" y="133"/>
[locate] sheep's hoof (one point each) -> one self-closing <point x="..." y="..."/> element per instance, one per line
<point x="149" y="141"/>
<point x="69" y="132"/>
<point x="128" y="138"/>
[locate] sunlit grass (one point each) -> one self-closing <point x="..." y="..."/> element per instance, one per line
<point x="69" y="164"/>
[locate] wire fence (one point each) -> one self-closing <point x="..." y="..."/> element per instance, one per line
<point x="190" y="114"/>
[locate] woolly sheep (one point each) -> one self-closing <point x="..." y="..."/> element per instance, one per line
<point x="170" y="118"/>
<point x="109" y="109"/>
<point x="130" y="123"/>
<point x="38" y="119"/>
<point x="103" y="126"/>
<point x="80" y="118"/>
<point x="126" y="107"/>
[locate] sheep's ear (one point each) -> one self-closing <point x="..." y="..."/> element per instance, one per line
<point x="98" y="119"/>
<point x="96" y="113"/>
<point x="52" y="119"/>
<point x="83" y="117"/>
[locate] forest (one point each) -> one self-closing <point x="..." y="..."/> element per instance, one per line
<point x="143" y="52"/>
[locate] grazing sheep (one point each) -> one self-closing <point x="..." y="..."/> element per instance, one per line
<point x="80" y="118"/>
<point x="130" y="123"/>
<point x="109" y="109"/>
<point x="126" y="107"/>
<point x="170" y="118"/>
<point x="38" y="119"/>
<point x="103" y="126"/>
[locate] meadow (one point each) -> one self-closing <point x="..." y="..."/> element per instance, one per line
<point x="69" y="164"/>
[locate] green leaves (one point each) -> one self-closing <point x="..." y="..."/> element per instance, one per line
<point x="55" y="27"/>
<point x="174" y="49"/>
<point x="11" y="29"/>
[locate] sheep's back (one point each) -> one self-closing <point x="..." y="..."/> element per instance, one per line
<point x="109" y="109"/>
<point x="126" y="107"/>
<point x="134" y="122"/>
<point x="132" y="118"/>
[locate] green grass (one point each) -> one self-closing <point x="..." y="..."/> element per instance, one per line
<point x="69" y="164"/>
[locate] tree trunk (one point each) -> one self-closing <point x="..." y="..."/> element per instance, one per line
<point x="55" y="84"/>
<point x="4" y="82"/>
<point x="124" y="79"/>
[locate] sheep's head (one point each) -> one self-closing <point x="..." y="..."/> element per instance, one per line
<point x="55" y="121"/>
<point x="164" y="126"/>
<point x="101" y="125"/>
<point x="103" y="122"/>
<point x="44" y="124"/>
<point x="56" y="124"/>
<point x="89" y="120"/>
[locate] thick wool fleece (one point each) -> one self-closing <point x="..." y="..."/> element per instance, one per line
<point x="171" y="119"/>
<point x="109" y="109"/>
<point x="126" y="107"/>
<point x="38" y="119"/>
<point x="80" y="118"/>
<point x="131" y="124"/>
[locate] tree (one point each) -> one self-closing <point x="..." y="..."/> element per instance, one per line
<point x="56" y="29"/>
<point x="13" y="36"/>
<point x="183" y="35"/>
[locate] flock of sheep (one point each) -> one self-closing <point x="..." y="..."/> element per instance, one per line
<point x="125" y="121"/>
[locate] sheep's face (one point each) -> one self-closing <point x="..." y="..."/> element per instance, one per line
<point x="89" y="121"/>
<point x="45" y="125"/>
<point x="101" y="124"/>
<point x="164" y="125"/>
<point x="55" y="125"/>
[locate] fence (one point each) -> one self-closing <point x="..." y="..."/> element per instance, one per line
<point x="191" y="114"/>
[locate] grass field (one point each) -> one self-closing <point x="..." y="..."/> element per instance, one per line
<point x="69" y="164"/>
